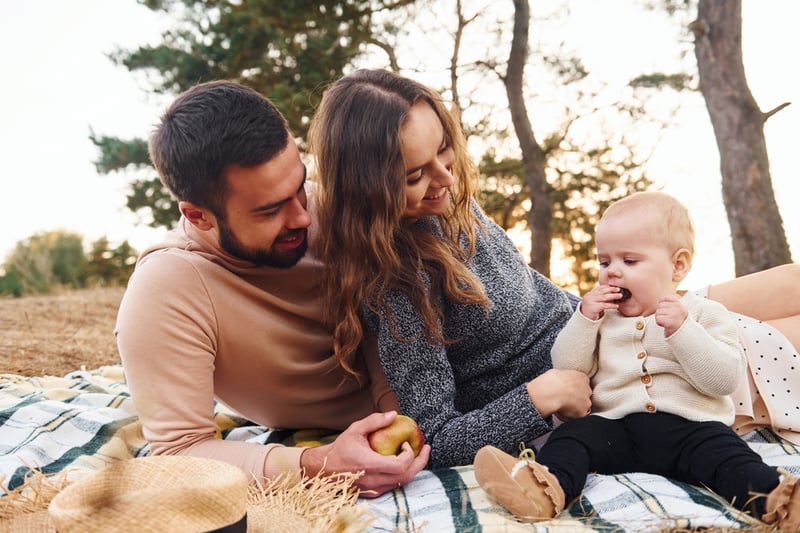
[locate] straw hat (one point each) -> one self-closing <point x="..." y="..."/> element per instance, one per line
<point x="155" y="493"/>
<point x="181" y="493"/>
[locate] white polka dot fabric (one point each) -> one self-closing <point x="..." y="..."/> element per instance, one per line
<point x="770" y="396"/>
<point x="774" y="381"/>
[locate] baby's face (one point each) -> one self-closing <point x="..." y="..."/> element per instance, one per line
<point x="631" y="257"/>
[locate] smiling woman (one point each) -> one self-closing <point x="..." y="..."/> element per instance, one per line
<point x="428" y="175"/>
<point x="461" y="325"/>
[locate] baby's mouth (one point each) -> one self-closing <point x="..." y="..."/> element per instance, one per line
<point x="626" y="294"/>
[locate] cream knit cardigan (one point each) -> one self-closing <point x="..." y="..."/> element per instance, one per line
<point x="635" y="368"/>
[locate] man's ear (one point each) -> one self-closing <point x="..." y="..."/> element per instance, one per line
<point x="199" y="217"/>
<point x="681" y="264"/>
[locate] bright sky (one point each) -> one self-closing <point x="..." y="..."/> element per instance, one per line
<point x="59" y="84"/>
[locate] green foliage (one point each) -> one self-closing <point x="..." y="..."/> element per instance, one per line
<point x="285" y="50"/>
<point x="67" y="260"/>
<point x="31" y="262"/>
<point x="152" y="202"/>
<point x="583" y="183"/>
<point x="147" y="197"/>
<point x="11" y="283"/>
<point x="119" y="154"/>
<point x="288" y="51"/>
<point x="53" y="259"/>
<point x="679" y="81"/>
<point x="110" y="266"/>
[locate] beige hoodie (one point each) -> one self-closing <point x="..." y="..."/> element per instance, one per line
<point x="196" y="324"/>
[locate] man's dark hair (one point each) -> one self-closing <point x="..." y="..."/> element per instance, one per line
<point x="208" y="129"/>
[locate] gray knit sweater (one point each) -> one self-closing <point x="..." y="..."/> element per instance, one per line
<point x="472" y="393"/>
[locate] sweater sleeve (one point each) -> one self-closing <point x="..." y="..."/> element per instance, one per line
<point x="472" y="392"/>
<point x="575" y="348"/>
<point x="708" y="347"/>
<point x="426" y="385"/>
<point x="167" y="345"/>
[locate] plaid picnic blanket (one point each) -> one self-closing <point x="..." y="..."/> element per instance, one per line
<point x="81" y="422"/>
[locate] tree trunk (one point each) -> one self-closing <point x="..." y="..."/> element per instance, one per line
<point x="540" y="217"/>
<point x="757" y="234"/>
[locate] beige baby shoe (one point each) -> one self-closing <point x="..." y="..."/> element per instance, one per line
<point x="783" y="505"/>
<point x="521" y="485"/>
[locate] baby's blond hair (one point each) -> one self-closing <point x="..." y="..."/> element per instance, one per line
<point x="669" y="219"/>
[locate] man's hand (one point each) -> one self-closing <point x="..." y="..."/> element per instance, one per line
<point x="670" y="314"/>
<point x="566" y="392"/>
<point x="351" y="452"/>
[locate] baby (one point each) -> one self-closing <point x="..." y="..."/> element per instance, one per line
<point x="663" y="364"/>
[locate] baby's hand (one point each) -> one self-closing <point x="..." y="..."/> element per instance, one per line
<point x="670" y="314"/>
<point x="596" y="301"/>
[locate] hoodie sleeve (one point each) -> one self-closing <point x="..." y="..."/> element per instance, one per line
<point x="166" y="334"/>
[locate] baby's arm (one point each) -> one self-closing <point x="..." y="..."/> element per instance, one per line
<point x="670" y="314"/>
<point x="708" y="347"/>
<point x="576" y="344"/>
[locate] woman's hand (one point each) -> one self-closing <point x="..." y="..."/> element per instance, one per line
<point x="566" y="392"/>
<point x="351" y="452"/>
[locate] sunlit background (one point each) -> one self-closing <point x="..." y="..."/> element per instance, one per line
<point x="58" y="85"/>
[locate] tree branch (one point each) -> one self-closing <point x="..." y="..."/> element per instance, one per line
<point x="775" y="110"/>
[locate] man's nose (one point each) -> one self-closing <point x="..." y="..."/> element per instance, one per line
<point x="299" y="217"/>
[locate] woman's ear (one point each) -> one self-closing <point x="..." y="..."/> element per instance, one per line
<point x="199" y="217"/>
<point x="681" y="264"/>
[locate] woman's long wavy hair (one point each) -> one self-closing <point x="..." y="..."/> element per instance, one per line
<point x="366" y="244"/>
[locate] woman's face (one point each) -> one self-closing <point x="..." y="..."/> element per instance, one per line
<point x="427" y="158"/>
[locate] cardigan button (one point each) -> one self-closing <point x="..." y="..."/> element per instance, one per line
<point x="641" y="355"/>
<point x="650" y="407"/>
<point x="647" y="379"/>
<point x="639" y="325"/>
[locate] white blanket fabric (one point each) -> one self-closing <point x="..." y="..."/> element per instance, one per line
<point x="86" y="420"/>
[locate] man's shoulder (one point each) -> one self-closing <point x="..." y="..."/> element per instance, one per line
<point x="164" y="256"/>
<point x="170" y="270"/>
<point x="169" y="262"/>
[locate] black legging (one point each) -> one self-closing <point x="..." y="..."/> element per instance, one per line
<point x="706" y="454"/>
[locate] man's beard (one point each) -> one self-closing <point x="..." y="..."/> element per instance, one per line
<point x="260" y="256"/>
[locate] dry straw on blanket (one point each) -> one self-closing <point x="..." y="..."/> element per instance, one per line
<point x="317" y="505"/>
<point x="24" y="509"/>
<point x="175" y="494"/>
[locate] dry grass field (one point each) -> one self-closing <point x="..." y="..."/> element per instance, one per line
<point x="58" y="333"/>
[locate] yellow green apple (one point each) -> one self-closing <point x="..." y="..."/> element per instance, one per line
<point x="389" y="440"/>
